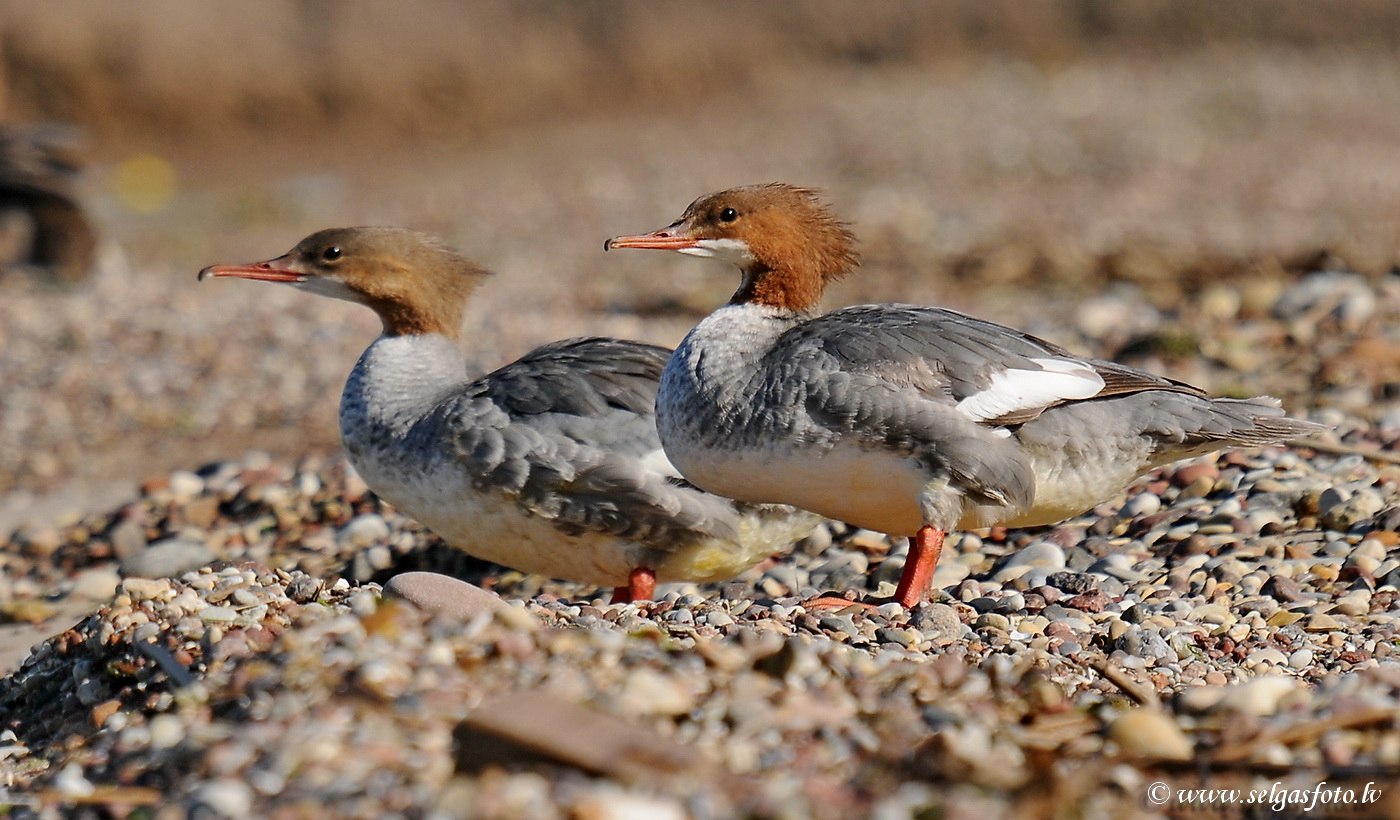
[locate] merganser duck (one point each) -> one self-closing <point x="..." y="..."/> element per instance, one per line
<point x="550" y="464"/>
<point x="907" y="420"/>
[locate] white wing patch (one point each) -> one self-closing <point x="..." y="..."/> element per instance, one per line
<point x="1013" y="390"/>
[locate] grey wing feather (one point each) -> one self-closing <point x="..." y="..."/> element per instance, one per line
<point x="569" y="431"/>
<point x="955" y="354"/>
<point x="1179" y="424"/>
<point x="894" y="374"/>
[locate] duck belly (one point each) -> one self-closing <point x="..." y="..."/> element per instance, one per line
<point x="866" y="487"/>
<point x="492" y="526"/>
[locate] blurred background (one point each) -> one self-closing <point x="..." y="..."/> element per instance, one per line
<point x="1148" y="179"/>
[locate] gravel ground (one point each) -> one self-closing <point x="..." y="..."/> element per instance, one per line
<point x="1230" y="621"/>
<point x="171" y="488"/>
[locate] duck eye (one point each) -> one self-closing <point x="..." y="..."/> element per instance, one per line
<point x="331" y="253"/>
<point x="728" y="215"/>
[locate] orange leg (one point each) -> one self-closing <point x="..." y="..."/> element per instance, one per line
<point x="917" y="578"/>
<point x="641" y="586"/>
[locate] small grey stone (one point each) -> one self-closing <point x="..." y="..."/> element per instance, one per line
<point x="365" y="530"/>
<point x="1130" y="641"/>
<point x="1282" y="588"/>
<point x="1079" y="559"/>
<point x="444" y="595"/>
<point x="896" y="636"/>
<point x="128" y="538"/>
<point x="379" y="557"/>
<point x="166" y="559"/>
<point x="890" y="570"/>
<point x="784" y="574"/>
<point x="1042" y="554"/>
<point x="218" y="614"/>
<point x="1015" y="602"/>
<point x="718" y="618"/>
<point x="835" y="623"/>
<point x="304" y="589"/>
<point x="1112" y="587"/>
<point x="1154" y="646"/>
<point x="360" y="569"/>
<point x="97" y="583"/>
<point x="938" y="621"/>
<point x="1036" y="578"/>
<point x="949" y="573"/>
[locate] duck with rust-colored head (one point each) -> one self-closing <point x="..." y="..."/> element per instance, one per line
<point x="550" y="464"/>
<point x="908" y="420"/>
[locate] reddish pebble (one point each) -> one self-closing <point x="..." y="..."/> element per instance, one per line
<point x="1188" y="475"/>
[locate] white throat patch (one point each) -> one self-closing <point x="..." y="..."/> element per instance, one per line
<point x="333" y="287"/>
<point x="733" y="251"/>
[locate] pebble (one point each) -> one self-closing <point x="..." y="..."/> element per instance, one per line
<point x="1343" y="515"/>
<point x="71" y="783"/>
<point x="648" y="692"/>
<point x="218" y="614"/>
<point x="1143" y="504"/>
<point x="1283" y="588"/>
<point x="1039" y="555"/>
<point x="128" y="537"/>
<point x="1321" y="622"/>
<point x="995" y="621"/>
<point x="166" y="559"/>
<point x="147" y="589"/>
<point x="1149" y="734"/>
<point x="938" y="621"/>
<point x="185" y="485"/>
<point x="1261" y="696"/>
<point x="97" y="583"/>
<point x="1267" y="655"/>
<point x="1164" y="583"/>
<point x="950" y="573"/>
<point x="1355" y="604"/>
<point x="222" y="798"/>
<point x="364" y="531"/>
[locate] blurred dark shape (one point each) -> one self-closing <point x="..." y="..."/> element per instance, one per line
<point x="42" y="221"/>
